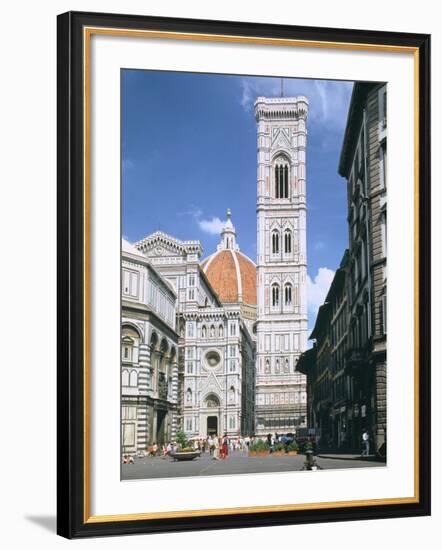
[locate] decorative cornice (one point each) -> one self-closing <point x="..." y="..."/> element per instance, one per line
<point x="281" y="108"/>
<point x="160" y="238"/>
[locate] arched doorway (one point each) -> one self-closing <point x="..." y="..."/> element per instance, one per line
<point x="212" y="425"/>
<point x="212" y="406"/>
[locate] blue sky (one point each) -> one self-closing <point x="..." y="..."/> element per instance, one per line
<point x="189" y="153"/>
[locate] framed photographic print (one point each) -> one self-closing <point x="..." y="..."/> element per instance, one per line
<point x="243" y="278"/>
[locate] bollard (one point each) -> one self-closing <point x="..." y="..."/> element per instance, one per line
<point x="310" y="462"/>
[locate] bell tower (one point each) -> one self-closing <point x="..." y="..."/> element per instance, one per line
<point x="281" y="263"/>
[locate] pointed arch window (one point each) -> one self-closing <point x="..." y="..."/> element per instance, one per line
<point x="281" y="179"/>
<point x="204" y="332"/>
<point x="288" y="242"/>
<point x="221" y="331"/>
<point x="275" y="295"/>
<point x="288" y="294"/>
<point x="275" y="242"/>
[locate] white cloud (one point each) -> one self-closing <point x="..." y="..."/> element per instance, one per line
<point x="213" y="226"/>
<point x="328" y="99"/>
<point x="317" y="289"/>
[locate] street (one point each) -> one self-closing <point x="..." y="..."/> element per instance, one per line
<point x="237" y="462"/>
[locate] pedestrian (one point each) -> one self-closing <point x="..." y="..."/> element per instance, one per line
<point x="221" y="447"/>
<point x="225" y="446"/>
<point x="365" y="443"/>
<point x="216" y="448"/>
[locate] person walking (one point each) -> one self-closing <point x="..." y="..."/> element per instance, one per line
<point x="225" y="447"/>
<point x="216" y="448"/>
<point x="365" y="443"/>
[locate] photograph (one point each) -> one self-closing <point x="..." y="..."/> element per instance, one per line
<point x="253" y="274"/>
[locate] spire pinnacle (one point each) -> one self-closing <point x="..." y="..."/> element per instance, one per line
<point x="228" y="234"/>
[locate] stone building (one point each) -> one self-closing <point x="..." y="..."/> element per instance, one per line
<point x="347" y="369"/>
<point x="363" y="163"/>
<point x="149" y="354"/>
<point x="329" y="387"/>
<point x="216" y="302"/>
<point x="281" y="263"/>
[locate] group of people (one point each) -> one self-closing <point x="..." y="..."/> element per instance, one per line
<point x="220" y="446"/>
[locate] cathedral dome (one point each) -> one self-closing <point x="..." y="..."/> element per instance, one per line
<point x="231" y="273"/>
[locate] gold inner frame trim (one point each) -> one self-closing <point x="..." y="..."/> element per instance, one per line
<point x="87" y="34"/>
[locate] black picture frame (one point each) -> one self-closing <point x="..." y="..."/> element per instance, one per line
<point x="71" y="266"/>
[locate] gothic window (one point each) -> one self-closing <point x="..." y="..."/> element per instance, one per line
<point x="288" y="295"/>
<point x="188" y="396"/>
<point x="212" y="332"/>
<point x="221" y="331"/>
<point x="287" y="242"/>
<point x="275" y="295"/>
<point x="281" y="179"/>
<point x="204" y="332"/>
<point x="275" y="242"/>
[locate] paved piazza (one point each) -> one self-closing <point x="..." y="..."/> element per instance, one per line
<point x="236" y="463"/>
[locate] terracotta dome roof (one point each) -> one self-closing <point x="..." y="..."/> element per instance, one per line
<point x="232" y="275"/>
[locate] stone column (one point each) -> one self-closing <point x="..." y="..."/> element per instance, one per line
<point x="143" y="419"/>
